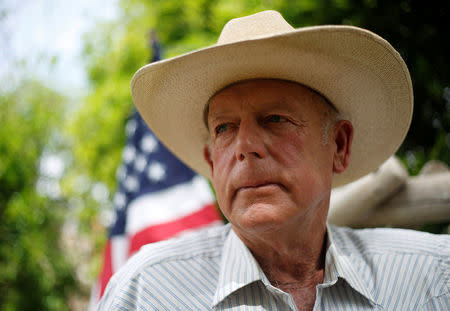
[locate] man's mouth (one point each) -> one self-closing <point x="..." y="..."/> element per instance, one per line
<point x="258" y="186"/>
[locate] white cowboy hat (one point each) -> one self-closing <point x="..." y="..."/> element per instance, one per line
<point x="359" y="72"/>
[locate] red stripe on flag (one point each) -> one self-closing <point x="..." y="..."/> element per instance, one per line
<point x="206" y="215"/>
<point x="107" y="269"/>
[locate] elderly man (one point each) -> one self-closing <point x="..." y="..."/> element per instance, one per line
<point x="283" y="110"/>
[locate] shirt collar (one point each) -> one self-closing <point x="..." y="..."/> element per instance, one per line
<point x="342" y="264"/>
<point x="239" y="268"/>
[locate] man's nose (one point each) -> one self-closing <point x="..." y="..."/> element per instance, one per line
<point x="249" y="142"/>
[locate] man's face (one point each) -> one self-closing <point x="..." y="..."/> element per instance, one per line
<point x="270" y="157"/>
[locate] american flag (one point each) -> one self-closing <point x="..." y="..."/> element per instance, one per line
<point x="158" y="197"/>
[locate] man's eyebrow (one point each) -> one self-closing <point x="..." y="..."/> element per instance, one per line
<point x="213" y="117"/>
<point x="216" y="117"/>
<point x="269" y="105"/>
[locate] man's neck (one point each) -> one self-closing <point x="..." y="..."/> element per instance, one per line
<point x="287" y="265"/>
<point x="295" y="262"/>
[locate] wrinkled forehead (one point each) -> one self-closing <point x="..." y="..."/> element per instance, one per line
<point x="263" y="84"/>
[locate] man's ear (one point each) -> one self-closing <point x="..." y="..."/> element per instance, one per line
<point x="343" y="137"/>
<point x="207" y="156"/>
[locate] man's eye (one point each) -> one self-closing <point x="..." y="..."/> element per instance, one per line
<point x="221" y="128"/>
<point x="275" y="118"/>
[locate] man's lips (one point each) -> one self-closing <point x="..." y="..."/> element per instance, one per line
<point x="257" y="186"/>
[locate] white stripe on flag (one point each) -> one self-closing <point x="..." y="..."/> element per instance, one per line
<point x="168" y="205"/>
<point x="119" y="251"/>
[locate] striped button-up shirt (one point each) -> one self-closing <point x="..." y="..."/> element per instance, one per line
<point x="370" y="269"/>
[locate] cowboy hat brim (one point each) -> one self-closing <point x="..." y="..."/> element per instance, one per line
<point x="360" y="73"/>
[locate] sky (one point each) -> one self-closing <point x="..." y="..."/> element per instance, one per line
<point x="35" y="32"/>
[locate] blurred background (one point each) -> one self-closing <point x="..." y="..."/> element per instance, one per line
<point x="65" y="70"/>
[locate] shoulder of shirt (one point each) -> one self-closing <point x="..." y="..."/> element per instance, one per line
<point x="419" y="256"/>
<point x="389" y="240"/>
<point x="206" y="242"/>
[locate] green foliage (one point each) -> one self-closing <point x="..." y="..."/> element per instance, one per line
<point x="34" y="274"/>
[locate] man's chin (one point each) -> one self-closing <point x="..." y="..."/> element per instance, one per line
<point x="261" y="217"/>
